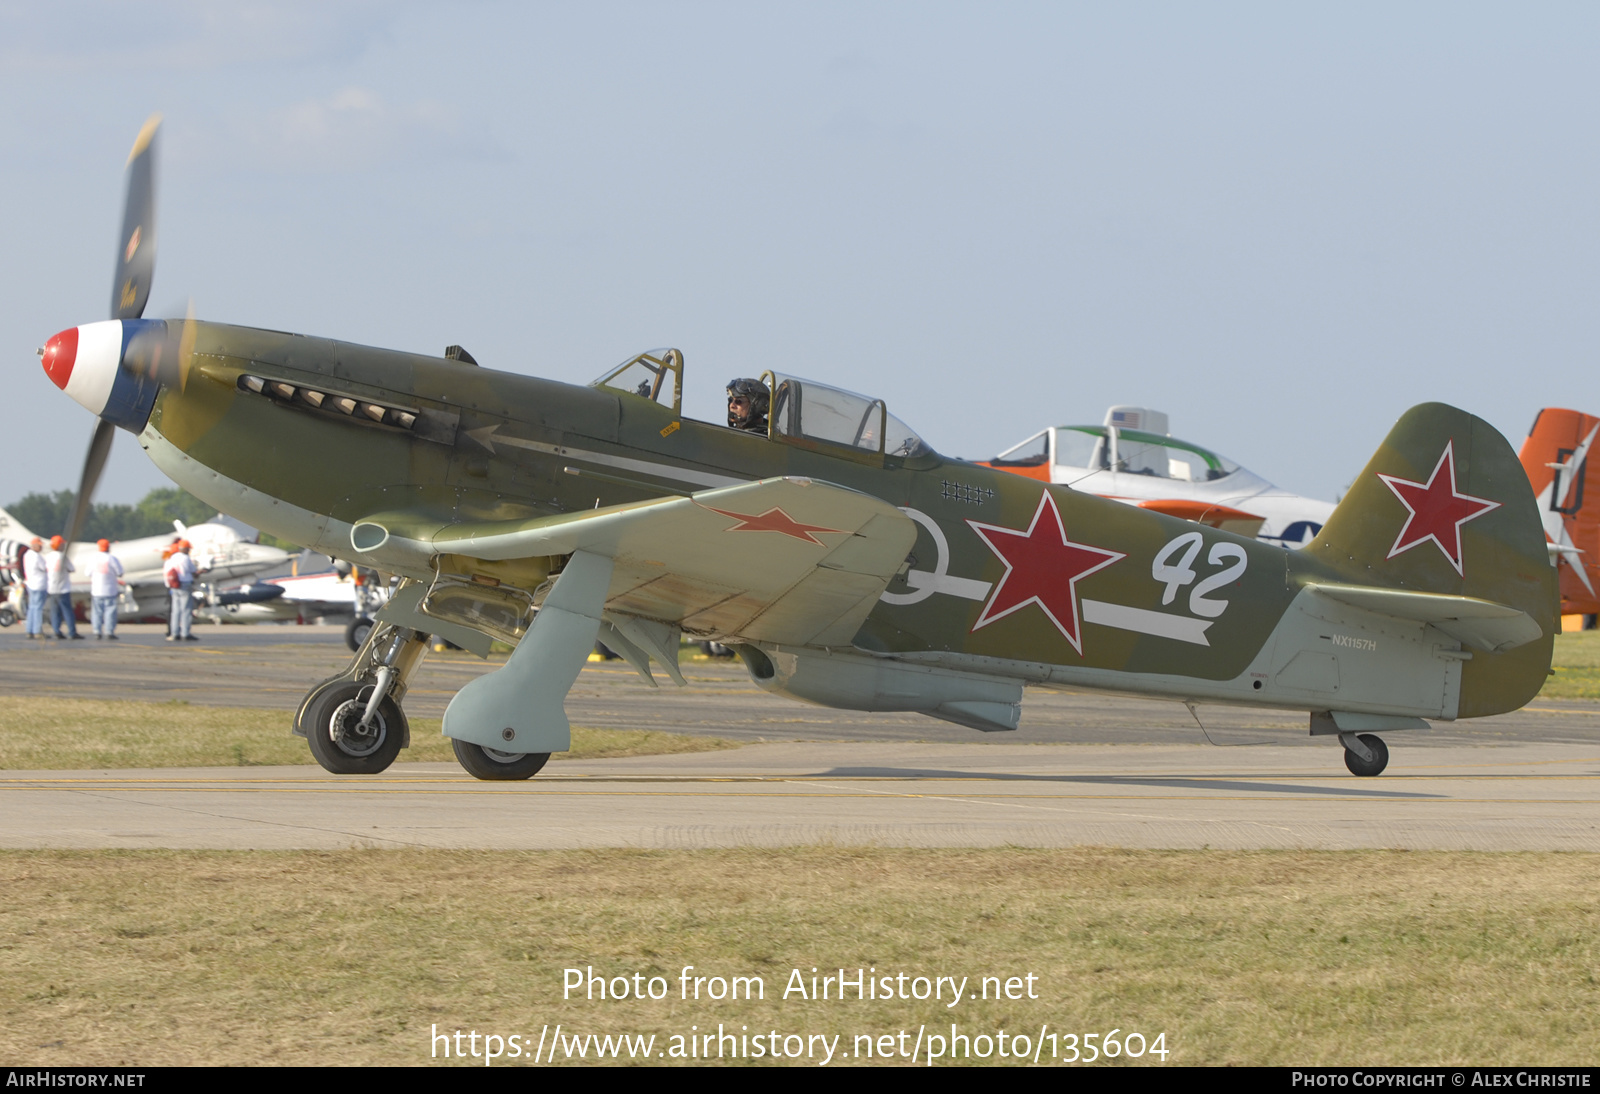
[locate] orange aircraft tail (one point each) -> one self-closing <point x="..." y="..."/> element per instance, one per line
<point x="1556" y="458"/>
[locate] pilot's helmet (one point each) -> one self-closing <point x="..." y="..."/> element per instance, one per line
<point x="753" y="390"/>
<point x="56" y="542"/>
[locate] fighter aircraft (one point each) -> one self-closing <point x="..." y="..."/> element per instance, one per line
<point x="847" y="562"/>
<point x="1556" y="458"/>
<point x="219" y="550"/>
<point x="1132" y="458"/>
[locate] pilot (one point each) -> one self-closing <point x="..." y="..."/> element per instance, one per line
<point x="747" y="405"/>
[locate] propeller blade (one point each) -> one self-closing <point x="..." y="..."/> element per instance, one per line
<point x="186" y="346"/>
<point x="164" y="350"/>
<point x="136" y="248"/>
<point x="93" y="464"/>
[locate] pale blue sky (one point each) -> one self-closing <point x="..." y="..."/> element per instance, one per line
<point x="1282" y="224"/>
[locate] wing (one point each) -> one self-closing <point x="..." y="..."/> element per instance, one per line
<point x="786" y="560"/>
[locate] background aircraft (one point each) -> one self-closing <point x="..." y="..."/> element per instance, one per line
<point x="1556" y="458"/>
<point x="847" y="562"/>
<point x="221" y="550"/>
<point x="342" y="594"/>
<point x="1131" y="457"/>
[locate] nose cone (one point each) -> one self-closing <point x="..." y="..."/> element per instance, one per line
<point x="60" y="353"/>
<point x="86" y="363"/>
<point x="82" y="361"/>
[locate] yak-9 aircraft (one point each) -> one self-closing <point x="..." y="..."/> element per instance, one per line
<point x="845" y="561"/>
<point x="1130" y="457"/>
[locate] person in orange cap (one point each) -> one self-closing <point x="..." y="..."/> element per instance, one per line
<point x="180" y="572"/>
<point x="58" y="586"/>
<point x="105" y="575"/>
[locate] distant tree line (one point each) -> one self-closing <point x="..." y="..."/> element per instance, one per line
<point x="47" y="514"/>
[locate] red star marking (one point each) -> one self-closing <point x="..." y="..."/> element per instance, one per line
<point x="776" y="520"/>
<point x="1043" y="567"/>
<point x="1437" y="510"/>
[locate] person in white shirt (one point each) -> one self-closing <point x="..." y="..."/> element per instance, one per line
<point x="33" y="579"/>
<point x="180" y="571"/>
<point x="58" y="586"/>
<point x="104" y="571"/>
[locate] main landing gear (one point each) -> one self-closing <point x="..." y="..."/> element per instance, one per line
<point x="493" y="765"/>
<point x="348" y="740"/>
<point x="353" y="722"/>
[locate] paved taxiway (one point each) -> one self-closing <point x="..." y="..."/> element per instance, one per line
<point x="1084" y="769"/>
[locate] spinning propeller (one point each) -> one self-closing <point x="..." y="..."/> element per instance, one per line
<point x="116" y="368"/>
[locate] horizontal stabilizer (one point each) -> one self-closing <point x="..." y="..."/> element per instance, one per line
<point x="1480" y="624"/>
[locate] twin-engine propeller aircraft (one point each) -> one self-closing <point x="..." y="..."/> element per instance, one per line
<point x="1556" y="458"/>
<point x="846" y="562"/>
<point x="1131" y="457"/>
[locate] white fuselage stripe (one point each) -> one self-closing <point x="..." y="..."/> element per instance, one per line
<point x="1183" y="628"/>
<point x="659" y="470"/>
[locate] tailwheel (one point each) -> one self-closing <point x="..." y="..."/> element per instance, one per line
<point x="344" y="745"/>
<point x="1361" y="765"/>
<point x="493" y="765"/>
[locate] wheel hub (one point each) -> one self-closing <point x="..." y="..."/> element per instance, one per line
<point x="352" y="738"/>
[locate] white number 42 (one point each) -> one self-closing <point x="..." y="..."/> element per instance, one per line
<point x="1176" y="574"/>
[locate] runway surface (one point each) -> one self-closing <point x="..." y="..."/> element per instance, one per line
<point x="1531" y="797"/>
<point x="273" y="667"/>
<point x="1084" y="769"/>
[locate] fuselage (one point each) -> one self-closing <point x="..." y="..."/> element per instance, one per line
<point x="431" y="442"/>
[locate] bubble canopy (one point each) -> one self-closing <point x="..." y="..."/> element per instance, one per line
<point x="803" y="412"/>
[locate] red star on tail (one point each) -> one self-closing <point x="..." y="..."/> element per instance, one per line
<point x="1042" y="567"/>
<point x="1437" y="510"/>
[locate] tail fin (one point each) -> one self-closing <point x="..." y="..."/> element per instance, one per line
<point x="12" y="528"/>
<point x="1445" y="507"/>
<point x="1556" y="458"/>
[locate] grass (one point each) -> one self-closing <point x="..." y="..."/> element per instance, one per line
<point x="1577" y="663"/>
<point x="354" y="957"/>
<point x="73" y="734"/>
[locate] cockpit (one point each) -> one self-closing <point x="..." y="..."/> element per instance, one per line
<point x="803" y="413"/>
<point x="1112" y="448"/>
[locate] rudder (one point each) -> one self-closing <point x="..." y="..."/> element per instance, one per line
<point x="1444" y="506"/>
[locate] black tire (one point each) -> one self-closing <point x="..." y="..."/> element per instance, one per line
<point x="494" y="766"/>
<point x="7" y="616"/>
<point x="335" y="739"/>
<point x="715" y="649"/>
<point x="355" y="635"/>
<point x="1380" y="757"/>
